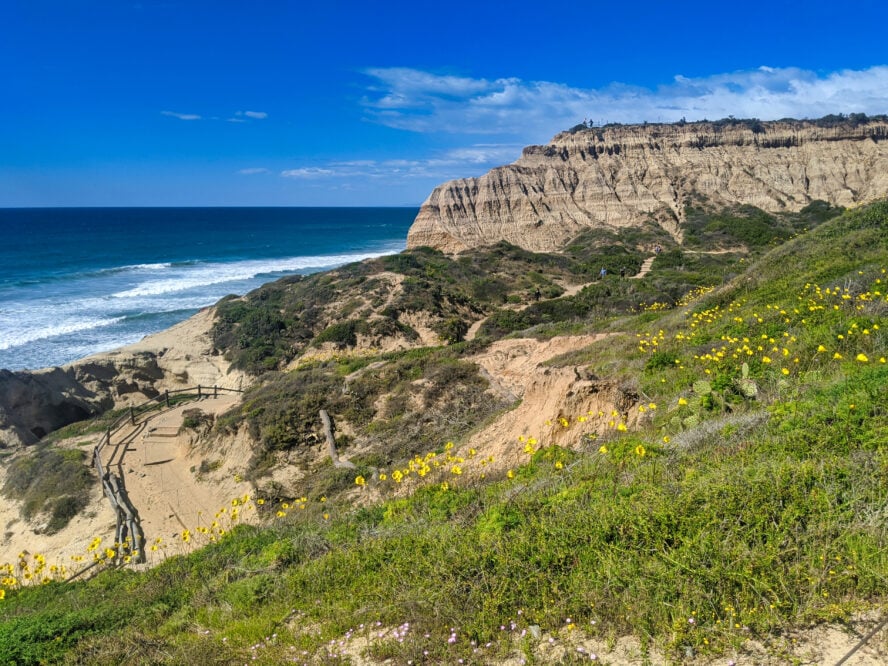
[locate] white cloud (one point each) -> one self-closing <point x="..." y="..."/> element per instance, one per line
<point x="455" y="163"/>
<point x="254" y="115"/>
<point x="307" y="172"/>
<point x="181" y="116"/>
<point x="253" y="171"/>
<point x="535" y="110"/>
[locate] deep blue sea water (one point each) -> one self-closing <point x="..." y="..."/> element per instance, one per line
<point x="81" y="280"/>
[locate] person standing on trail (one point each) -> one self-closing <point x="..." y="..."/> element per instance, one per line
<point x="602" y="273"/>
<point x="622" y="272"/>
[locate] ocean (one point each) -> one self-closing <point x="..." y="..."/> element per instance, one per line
<point x="76" y="281"/>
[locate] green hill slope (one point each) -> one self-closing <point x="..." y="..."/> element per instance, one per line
<point x="750" y="500"/>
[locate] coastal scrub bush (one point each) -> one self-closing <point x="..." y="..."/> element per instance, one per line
<point x="342" y="334"/>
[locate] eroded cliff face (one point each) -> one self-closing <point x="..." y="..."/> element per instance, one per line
<point x="625" y="176"/>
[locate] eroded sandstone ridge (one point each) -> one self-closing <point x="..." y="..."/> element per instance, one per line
<point x="623" y="176"/>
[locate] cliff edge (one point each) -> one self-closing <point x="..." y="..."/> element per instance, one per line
<point x="626" y="176"/>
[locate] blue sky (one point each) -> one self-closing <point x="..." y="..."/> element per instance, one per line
<point x="222" y="103"/>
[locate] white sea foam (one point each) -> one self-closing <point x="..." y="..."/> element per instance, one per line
<point x="146" y="267"/>
<point x="203" y="275"/>
<point x="42" y="325"/>
<point x="16" y="338"/>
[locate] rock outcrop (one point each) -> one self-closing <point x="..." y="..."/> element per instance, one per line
<point x="33" y="404"/>
<point x="626" y="176"/>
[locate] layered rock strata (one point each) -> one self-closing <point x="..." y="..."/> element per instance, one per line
<point x="625" y="176"/>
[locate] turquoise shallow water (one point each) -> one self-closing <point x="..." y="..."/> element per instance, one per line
<point x="77" y="281"/>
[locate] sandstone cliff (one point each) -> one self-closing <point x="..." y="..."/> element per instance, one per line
<point x="623" y="176"/>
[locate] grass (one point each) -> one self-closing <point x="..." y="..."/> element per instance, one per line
<point x="728" y="515"/>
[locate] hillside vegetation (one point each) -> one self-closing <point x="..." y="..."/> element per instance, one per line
<point x="750" y="498"/>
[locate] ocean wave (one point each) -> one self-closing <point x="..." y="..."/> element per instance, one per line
<point x="22" y="337"/>
<point x="203" y="275"/>
<point x="142" y="267"/>
<point x="128" y="268"/>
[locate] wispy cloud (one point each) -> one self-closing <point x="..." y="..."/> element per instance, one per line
<point x="307" y="172"/>
<point x="239" y="116"/>
<point x="247" y="116"/>
<point x="458" y="162"/>
<point x="253" y="171"/>
<point x="420" y="101"/>
<point x="180" y="116"/>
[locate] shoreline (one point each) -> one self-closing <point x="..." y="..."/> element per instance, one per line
<point x="111" y="277"/>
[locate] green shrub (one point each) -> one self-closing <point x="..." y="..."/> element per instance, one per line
<point x="51" y="480"/>
<point x="342" y="334"/>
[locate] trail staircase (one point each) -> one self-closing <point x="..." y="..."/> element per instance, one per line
<point x="159" y="447"/>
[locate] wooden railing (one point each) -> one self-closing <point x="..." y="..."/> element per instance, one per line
<point x="129" y="528"/>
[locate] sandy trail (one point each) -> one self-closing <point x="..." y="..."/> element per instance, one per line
<point x="161" y="472"/>
<point x="645" y="268"/>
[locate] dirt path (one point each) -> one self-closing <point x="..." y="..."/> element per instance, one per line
<point x="164" y="479"/>
<point x="162" y="475"/>
<point x="645" y="268"/>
